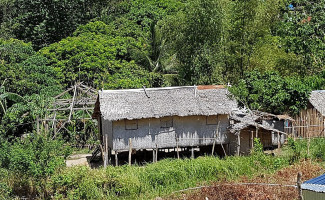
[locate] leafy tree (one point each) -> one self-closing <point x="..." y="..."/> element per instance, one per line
<point x="98" y="55"/>
<point x="302" y="32"/>
<point x="252" y="22"/>
<point x="45" y="22"/>
<point x="196" y="36"/>
<point x="27" y="87"/>
<point x="271" y="93"/>
<point x="25" y="72"/>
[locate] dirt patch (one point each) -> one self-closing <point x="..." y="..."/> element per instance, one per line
<point x="231" y="191"/>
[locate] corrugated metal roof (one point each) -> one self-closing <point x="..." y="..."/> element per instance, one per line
<point x="316" y="184"/>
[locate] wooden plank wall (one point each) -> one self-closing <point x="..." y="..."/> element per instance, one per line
<point x="309" y="123"/>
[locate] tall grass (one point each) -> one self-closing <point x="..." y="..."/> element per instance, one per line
<point x="155" y="179"/>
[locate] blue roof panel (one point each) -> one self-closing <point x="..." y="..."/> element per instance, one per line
<point x="316" y="184"/>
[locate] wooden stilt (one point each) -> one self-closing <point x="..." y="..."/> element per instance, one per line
<point x="116" y="158"/>
<point x="153" y="155"/>
<point x="279" y="141"/>
<point x="130" y="151"/>
<point x="156" y="153"/>
<point x="177" y="148"/>
<point x="192" y="152"/>
<point x="252" y="139"/>
<point x="223" y="148"/>
<point x="106" y="150"/>
<point x="238" y="144"/>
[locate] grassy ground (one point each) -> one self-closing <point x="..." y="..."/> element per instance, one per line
<point x="230" y="191"/>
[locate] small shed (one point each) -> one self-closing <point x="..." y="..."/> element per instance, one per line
<point x="249" y="125"/>
<point x="310" y="122"/>
<point x="314" y="188"/>
<point x="163" y="117"/>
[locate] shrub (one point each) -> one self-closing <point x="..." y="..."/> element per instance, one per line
<point x="36" y="156"/>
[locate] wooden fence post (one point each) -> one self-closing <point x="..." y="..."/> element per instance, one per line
<point x="299" y="186"/>
<point x="130" y="151"/>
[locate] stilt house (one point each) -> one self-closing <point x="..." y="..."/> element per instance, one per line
<point x="163" y="117"/>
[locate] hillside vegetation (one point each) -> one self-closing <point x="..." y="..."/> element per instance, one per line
<point x="270" y="52"/>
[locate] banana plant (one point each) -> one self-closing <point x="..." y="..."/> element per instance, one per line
<point x="7" y="96"/>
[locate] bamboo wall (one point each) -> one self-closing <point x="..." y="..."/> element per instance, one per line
<point x="309" y="123"/>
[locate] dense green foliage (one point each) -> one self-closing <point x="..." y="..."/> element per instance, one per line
<point x="275" y="94"/>
<point x="272" y="52"/>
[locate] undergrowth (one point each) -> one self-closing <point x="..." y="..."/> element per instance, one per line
<point x="156" y="179"/>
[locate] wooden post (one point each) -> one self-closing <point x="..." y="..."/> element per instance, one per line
<point x="130" y="151"/>
<point x="116" y="158"/>
<point x="293" y="132"/>
<point x="256" y="132"/>
<point x="214" y="144"/>
<point x="156" y="152"/>
<point x="153" y="155"/>
<point x="279" y="141"/>
<point x="215" y="138"/>
<point x="177" y="148"/>
<point x="238" y="144"/>
<point x="192" y="152"/>
<point x="106" y="150"/>
<point x="224" y="150"/>
<point x="300" y="197"/>
<point x="252" y="139"/>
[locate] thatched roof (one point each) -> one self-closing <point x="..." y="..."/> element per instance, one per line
<point x="159" y="102"/>
<point x="317" y="99"/>
<point x="246" y="119"/>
